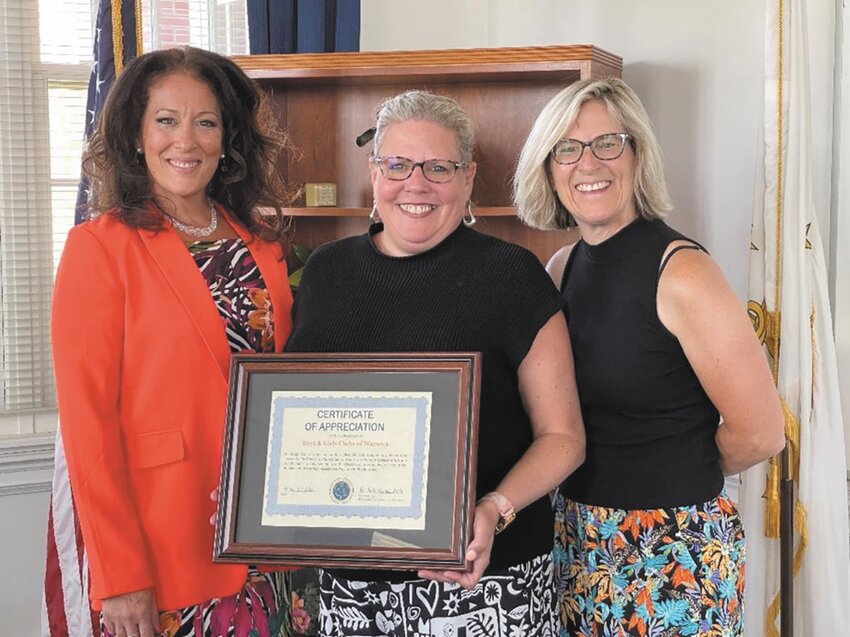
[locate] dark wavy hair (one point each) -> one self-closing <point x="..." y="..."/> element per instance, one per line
<point x="252" y="141"/>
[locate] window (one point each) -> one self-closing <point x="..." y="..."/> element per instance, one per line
<point x="45" y="62"/>
<point x="33" y="78"/>
<point x="216" y="25"/>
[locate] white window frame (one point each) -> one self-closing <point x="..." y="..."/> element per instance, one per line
<point x="27" y="435"/>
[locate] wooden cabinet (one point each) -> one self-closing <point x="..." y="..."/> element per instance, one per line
<point x="326" y="100"/>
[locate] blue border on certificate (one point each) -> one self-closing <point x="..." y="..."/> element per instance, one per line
<point x="412" y="511"/>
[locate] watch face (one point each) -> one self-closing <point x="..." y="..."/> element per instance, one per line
<point x="505" y="519"/>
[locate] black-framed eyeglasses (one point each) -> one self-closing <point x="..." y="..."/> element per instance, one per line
<point x="438" y="171"/>
<point x="605" y="147"/>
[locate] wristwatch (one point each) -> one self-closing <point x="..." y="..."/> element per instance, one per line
<point x="507" y="514"/>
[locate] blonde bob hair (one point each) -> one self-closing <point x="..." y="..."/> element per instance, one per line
<point x="537" y="203"/>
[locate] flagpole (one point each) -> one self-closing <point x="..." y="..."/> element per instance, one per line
<point x="786" y="475"/>
<point x="786" y="544"/>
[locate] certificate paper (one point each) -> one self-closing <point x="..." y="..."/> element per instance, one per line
<point x="347" y="459"/>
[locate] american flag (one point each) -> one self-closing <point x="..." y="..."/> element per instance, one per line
<point x="66" y="610"/>
<point x="116" y="41"/>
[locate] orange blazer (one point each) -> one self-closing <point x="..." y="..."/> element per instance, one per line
<point x="141" y="362"/>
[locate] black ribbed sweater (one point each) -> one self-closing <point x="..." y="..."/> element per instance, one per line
<point x="472" y="292"/>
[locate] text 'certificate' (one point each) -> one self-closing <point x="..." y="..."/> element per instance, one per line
<point x="347" y="459"/>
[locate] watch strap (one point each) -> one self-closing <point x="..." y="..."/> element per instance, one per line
<point x="507" y="513"/>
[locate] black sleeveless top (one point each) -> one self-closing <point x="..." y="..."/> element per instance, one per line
<point x="650" y="425"/>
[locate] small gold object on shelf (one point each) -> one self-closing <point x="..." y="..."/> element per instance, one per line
<point x="320" y="194"/>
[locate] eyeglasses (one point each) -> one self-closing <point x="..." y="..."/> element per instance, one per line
<point x="605" y="147"/>
<point x="438" y="171"/>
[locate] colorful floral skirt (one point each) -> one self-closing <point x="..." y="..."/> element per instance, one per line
<point x="655" y="572"/>
<point x="519" y="602"/>
<point x="258" y="610"/>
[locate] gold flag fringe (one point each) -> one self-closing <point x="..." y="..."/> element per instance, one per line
<point x="771" y="496"/>
<point x="771" y="492"/>
<point x="118" y="33"/>
<point x="117" y="37"/>
<point x="138" y="27"/>
<point x="772" y="614"/>
<point x="772" y="328"/>
<point x="801" y="524"/>
<point x="792" y="438"/>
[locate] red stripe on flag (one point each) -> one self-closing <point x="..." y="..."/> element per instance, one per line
<point x="54" y="596"/>
<point x="68" y="611"/>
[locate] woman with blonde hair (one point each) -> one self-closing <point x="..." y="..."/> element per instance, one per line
<point x="646" y="538"/>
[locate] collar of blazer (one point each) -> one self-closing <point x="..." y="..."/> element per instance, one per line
<point x="176" y="264"/>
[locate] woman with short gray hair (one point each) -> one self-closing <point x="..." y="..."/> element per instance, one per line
<point x="422" y="280"/>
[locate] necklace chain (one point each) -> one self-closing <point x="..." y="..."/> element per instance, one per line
<point x="195" y="231"/>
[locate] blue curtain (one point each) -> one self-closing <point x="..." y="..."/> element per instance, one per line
<point x="304" y="26"/>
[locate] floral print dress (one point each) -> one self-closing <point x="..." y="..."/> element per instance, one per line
<point x="238" y="290"/>
<point x="650" y="572"/>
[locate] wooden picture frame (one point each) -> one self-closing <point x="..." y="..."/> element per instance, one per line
<point x="350" y="460"/>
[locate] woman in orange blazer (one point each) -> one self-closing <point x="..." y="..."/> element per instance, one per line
<point x="175" y="272"/>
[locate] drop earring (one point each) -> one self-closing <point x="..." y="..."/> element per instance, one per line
<point x="469" y="218"/>
<point x="374" y="217"/>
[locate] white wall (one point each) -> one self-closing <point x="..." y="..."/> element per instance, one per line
<point x="840" y="275"/>
<point x="23" y="536"/>
<point x="697" y="74"/>
<point x="698" y="66"/>
<point x="26" y="470"/>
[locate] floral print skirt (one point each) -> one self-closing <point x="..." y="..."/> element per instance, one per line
<point x="518" y="602"/>
<point x="260" y="609"/>
<point x="654" y="572"/>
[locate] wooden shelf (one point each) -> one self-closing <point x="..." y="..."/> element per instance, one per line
<point x="446" y="65"/>
<point x="326" y="100"/>
<point x="329" y="211"/>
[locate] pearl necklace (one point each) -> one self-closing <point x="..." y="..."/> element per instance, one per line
<point x="195" y="231"/>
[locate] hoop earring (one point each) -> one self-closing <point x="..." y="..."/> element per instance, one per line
<point x="374" y="216"/>
<point x="469" y="218"/>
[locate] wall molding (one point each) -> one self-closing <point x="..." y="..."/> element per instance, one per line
<point x="26" y="464"/>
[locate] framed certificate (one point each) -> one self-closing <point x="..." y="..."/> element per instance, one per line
<point x="350" y="460"/>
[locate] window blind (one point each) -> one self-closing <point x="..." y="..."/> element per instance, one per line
<point x="45" y="50"/>
<point x="45" y="62"/>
